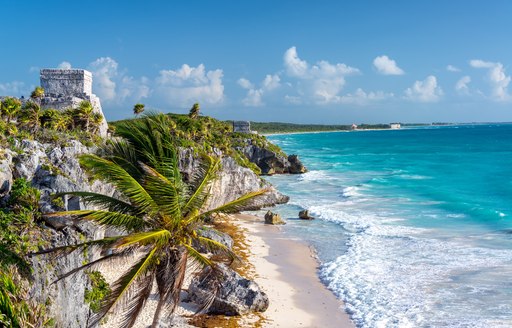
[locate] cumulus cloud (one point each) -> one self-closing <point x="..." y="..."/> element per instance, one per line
<point x="451" y="68"/>
<point x="497" y="78"/>
<point x="64" y="65"/>
<point x="424" y="91"/>
<point x="254" y="97"/>
<point x="15" y="89"/>
<point x="387" y="66"/>
<point x="320" y="83"/>
<point x="104" y="72"/>
<point x="462" y="85"/>
<point x="188" y="85"/>
<point x="113" y="85"/>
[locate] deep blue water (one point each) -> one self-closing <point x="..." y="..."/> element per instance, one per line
<point x="414" y="226"/>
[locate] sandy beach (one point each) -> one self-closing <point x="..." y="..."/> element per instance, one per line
<point x="286" y="271"/>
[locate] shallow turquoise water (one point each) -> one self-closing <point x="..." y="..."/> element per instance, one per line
<point x="414" y="226"/>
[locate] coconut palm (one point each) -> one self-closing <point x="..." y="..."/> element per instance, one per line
<point x="160" y="214"/>
<point x="138" y="109"/>
<point x="30" y="116"/>
<point x="37" y="94"/>
<point x="10" y="107"/>
<point x="84" y="114"/>
<point x="194" y="111"/>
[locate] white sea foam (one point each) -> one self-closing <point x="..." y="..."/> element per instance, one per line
<point x="313" y="176"/>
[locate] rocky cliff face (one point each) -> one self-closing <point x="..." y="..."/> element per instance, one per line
<point x="271" y="162"/>
<point x="53" y="169"/>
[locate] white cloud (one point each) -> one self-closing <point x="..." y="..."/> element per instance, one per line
<point x="497" y="78"/>
<point x="188" y="85"/>
<point x="360" y="97"/>
<point x="104" y="72"/>
<point x="424" y="91"/>
<point x="114" y="86"/>
<point x="462" y="85"/>
<point x="320" y="83"/>
<point x="246" y="84"/>
<point x="254" y="97"/>
<point x="14" y="89"/>
<point x="64" y="65"/>
<point x="451" y="68"/>
<point x="387" y="66"/>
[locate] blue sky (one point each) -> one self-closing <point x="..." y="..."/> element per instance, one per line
<point x="293" y="61"/>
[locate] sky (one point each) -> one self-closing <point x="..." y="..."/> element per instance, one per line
<point x="327" y="62"/>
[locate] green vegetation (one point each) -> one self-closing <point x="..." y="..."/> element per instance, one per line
<point x="138" y="109"/>
<point x="278" y="127"/>
<point x="100" y="289"/>
<point x="160" y="213"/>
<point x="29" y="121"/>
<point x="20" y="234"/>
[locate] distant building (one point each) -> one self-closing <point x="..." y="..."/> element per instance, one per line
<point x="354" y="127"/>
<point x="242" y="126"/>
<point x="395" y="126"/>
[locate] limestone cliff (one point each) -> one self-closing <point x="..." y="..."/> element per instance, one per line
<point x="54" y="168"/>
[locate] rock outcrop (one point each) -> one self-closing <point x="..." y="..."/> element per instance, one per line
<point x="236" y="295"/>
<point x="232" y="182"/>
<point x="271" y="162"/>
<point x="273" y="218"/>
<point x="304" y="215"/>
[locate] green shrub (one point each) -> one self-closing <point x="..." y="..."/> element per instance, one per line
<point x="99" y="290"/>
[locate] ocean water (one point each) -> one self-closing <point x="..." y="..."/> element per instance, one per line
<point x="414" y="226"/>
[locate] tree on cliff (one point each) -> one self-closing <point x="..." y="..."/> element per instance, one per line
<point x="37" y="94"/>
<point x="30" y="116"/>
<point x="84" y="114"/>
<point x="10" y="107"/>
<point x="160" y="213"/>
<point x="138" y="109"/>
<point x="194" y="111"/>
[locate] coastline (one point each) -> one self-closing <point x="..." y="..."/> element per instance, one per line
<point x="287" y="271"/>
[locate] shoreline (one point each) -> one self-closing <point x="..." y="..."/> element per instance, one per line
<point x="287" y="271"/>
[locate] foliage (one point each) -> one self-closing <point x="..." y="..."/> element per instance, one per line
<point x="279" y="127"/>
<point x="159" y="213"/>
<point x="138" y="109"/>
<point x="9" y="108"/>
<point x="100" y="289"/>
<point x="38" y="93"/>
<point x="194" y="111"/>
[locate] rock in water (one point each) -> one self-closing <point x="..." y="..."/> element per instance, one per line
<point x="296" y="165"/>
<point x="273" y="218"/>
<point x="304" y="215"/>
<point x="236" y="296"/>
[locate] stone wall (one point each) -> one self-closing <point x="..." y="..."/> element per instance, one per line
<point x="66" y="82"/>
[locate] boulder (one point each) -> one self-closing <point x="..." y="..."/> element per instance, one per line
<point x="304" y="215"/>
<point x="296" y="166"/>
<point x="5" y="173"/>
<point x="273" y="218"/>
<point x="215" y="235"/>
<point x="236" y="295"/>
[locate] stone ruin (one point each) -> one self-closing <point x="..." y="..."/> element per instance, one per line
<point x="66" y="88"/>
<point x="242" y="126"/>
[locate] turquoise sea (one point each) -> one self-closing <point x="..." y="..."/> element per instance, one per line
<point x="414" y="226"/>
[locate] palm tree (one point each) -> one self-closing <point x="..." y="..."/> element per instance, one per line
<point x="37" y="94"/>
<point x="84" y="114"/>
<point x="194" y="111"/>
<point x="30" y="116"/>
<point x="10" y="107"/>
<point x="160" y="214"/>
<point x="138" y="109"/>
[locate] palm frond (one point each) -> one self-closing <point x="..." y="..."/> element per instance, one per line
<point x="167" y="194"/>
<point x="66" y="250"/>
<point x="111" y="203"/>
<point x="200" y="183"/>
<point x="156" y="237"/>
<point x="170" y="276"/>
<point x="106" y="218"/>
<point x="198" y="257"/>
<point x="217" y="248"/>
<point x="89" y="265"/>
<point x="124" y="284"/>
<point x="231" y="207"/>
<point x="111" y="172"/>
<point x="137" y="300"/>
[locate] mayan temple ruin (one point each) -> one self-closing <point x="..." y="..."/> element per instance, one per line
<point x="66" y="88"/>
